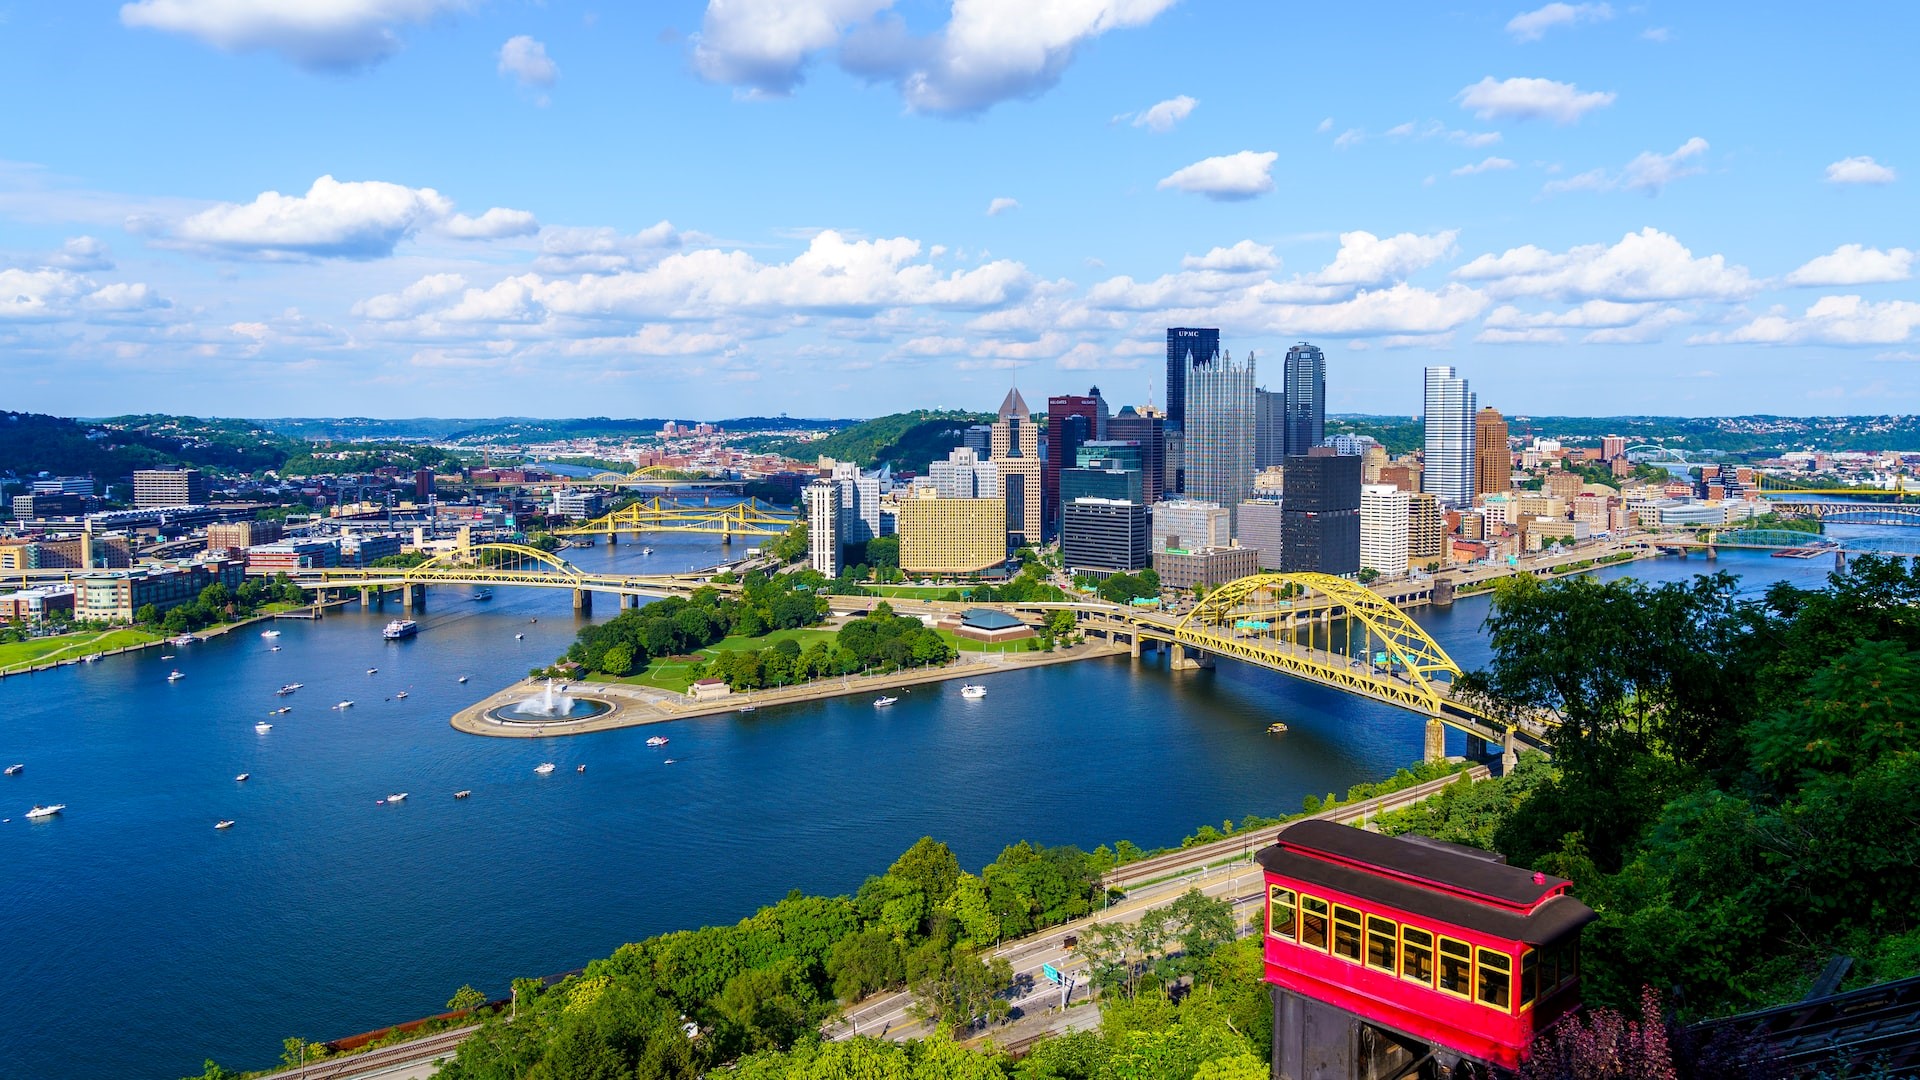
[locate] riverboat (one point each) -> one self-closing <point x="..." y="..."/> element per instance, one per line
<point x="41" y="813"/>
<point x="1276" y="728"/>
<point x="657" y="740"/>
<point x="400" y="628"/>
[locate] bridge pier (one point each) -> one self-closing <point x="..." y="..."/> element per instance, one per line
<point x="1133" y="649"/>
<point x="1510" y="756"/>
<point x="366" y="601"/>
<point x="1186" y="658"/>
<point x="583" y="601"/>
<point x="1436" y="748"/>
<point x="413" y="597"/>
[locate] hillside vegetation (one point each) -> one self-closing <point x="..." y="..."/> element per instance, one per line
<point x="903" y="440"/>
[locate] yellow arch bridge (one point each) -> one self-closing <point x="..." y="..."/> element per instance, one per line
<point x="494" y="564"/>
<point x="666" y="514"/>
<point x="1331" y="631"/>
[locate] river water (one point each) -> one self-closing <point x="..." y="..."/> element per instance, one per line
<point x="138" y="940"/>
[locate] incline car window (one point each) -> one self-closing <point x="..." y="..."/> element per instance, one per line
<point x="1456" y="967"/>
<point x="1346" y="933"/>
<point x="1313" y="922"/>
<point x="1280" y="912"/>
<point x="1416" y="955"/>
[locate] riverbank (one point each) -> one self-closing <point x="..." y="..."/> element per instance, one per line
<point x="633" y="706"/>
<point x="158" y="639"/>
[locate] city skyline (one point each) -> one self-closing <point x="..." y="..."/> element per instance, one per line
<point x="402" y="209"/>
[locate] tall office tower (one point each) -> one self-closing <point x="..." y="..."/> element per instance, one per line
<point x="1260" y="524"/>
<point x="1219" y="433"/>
<point x="1187" y="348"/>
<point x="1100" y="478"/>
<point x="1104" y="536"/>
<point x="1269" y="428"/>
<point x="823" y="526"/>
<point x="1185" y="525"/>
<point x="1447" y="471"/>
<point x="1384" y="511"/>
<point x="1064" y="437"/>
<point x="966" y="474"/>
<point x="1306" y="406"/>
<point x="1321" y="513"/>
<point x="168" y="487"/>
<point x="1149" y="432"/>
<point x="1016" y="453"/>
<point x="978" y="437"/>
<point x="859" y="504"/>
<point x="1492" y="460"/>
<point x="1426" y="528"/>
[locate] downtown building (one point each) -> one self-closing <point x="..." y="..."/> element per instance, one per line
<point x="1492" y="459"/>
<point x="1101" y="536"/>
<point x="1447" y="469"/>
<point x="1384" y="513"/>
<point x="942" y="537"/>
<point x="823" y="526"/>
<point x="1305" y="415"/>
<point x="1016" y="454"/>
<point x="859" y="504"/>
<point x="168" y="487"/>
<point x="1219" y="432"/>
<point x="966" y="474"/>
<point x="1321" y="515"/>
<point x="1188" y="347"/>
<point x="1260" y="524"/>
<point x="1072" y="421"/>
<point x="1149" y="432"/>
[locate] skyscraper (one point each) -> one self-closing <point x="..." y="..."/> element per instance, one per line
<point x="1187" y="347"/>
<point x="1016" y="453"/>
<point x="1219" y="433"/>
<point x="1150" y="432"/>
<point x="1306" y="406"/>
<point x="1320" y="530"/>
<point x="1384" y="529"/>
<point x="1269" y="428"/>
<point x="823" y="526"/>
<point x="966" y="474"/>
<point x="859" y="504"/>
<point x="1064" y="437"/>
<point x="1448" y="466"/>
<point x="1492" y="460"/>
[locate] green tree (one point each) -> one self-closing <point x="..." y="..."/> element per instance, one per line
<point x="1368" y="575"/>
<point x="466" y="998"/>
<point x="617" y="660"/>
<point x="146" y="615"/>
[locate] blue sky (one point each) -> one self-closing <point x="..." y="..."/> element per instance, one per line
<point x="849" y="207"/>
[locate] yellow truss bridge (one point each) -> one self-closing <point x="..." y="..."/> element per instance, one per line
<point x="496" y="564"/>
<point x="658" y="514"/>
<point x="1904" y="486"/>
<point x="1337" y="633"/>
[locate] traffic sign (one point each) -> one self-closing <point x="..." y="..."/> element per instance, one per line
<point x="1051" y="973"/>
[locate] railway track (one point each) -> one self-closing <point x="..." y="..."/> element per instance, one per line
<point x="412" y="1052"/>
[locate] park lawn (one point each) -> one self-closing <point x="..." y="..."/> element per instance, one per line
<point x="970" y="645"/>
<point x="66" y="646"/>
<point x="914" y="592"/>
<point x="677" y="675"/>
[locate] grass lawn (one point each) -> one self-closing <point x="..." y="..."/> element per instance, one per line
<point x="970" y="645"/>
<point x="676" y="675"/>
<point x="65" y="646"/>
<point x="914" y="592"/>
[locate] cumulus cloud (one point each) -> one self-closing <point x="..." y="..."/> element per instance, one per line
<point x="1242" y="258"/>
<point x="50" y="294"/>
<point x="355" y="219"/>
<point x="1831" y="320"/>
<point x="526" y="61"/>
<point x="1001" y="205"/>
<point x="1397" y="309"/>
<point x="1859" y="170"/>
<point x="1648" y="171"/>
<point x="315" y="34"/>
<point x="1431" y="129"/>
<point x="1531" y="99"/>
<point x="1366" y="259"/>
<point x="1491" y="164"/>
<point x="1164" y="116"/>
<point x="603" y="250"/>
<point x="82" y="253"/>
<point x="1533" y="25"/>
<point x="1855" y="264"/>
<point x="1228" y="178"/>
<point x="1607" y="323"/>
<point x="1647" y="265"/>
<point x="763" y="45"/>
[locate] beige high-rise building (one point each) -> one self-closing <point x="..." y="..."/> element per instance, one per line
<point x="1016" y="454"/>
<point x="1426" y="528"/>
<point x="951" y="536"/>
<point x="1492" y="460"/>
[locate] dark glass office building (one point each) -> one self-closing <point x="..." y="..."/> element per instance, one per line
<point x="1150" y="433"/>
<point x="1101" y="480"/>
<point x="1187" y="347"/>
<point x="1320" y="516"/>
<point x="1105" y="536"/>
<point x="1306" y="390"/>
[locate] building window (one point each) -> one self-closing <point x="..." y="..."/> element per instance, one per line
<point x="1381" y="938"/>
<point x="1456" y="967"/>
<point x="1313" y="922"/>
<point x="1496" y="979"/>
<point x="1280" y="918"/>
<point x="1346" y="933"/>
<point x="1416" y="955"/>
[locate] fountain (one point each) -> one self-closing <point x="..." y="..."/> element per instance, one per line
<point x="547" y="706"/>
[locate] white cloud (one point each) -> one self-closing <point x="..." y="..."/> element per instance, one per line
<point x="763" y="45"/>
<point x="1227" y="178"/>
<point x="1366" y="259"/>
<point x="1533" y="25"/>
<point x="1489" y="165"/>
<point x="316" y="34"/>
<point x="412" y="300"/>
<point x="1659" y="35"/>
<point x="1001" y="205"/>
<point x="1349" y="137"/>
<point x="1859" y="170"/>
<point x="356" y="219"/>
<point x="525" y="60"/>
<point x="1647" y="265"/>
<point x="52" y="295"/>
<point x="1325" y="126"/>
<point x="1831" y="320"/>
<point x="602" y="250"/>
<point x="1855" y="264"/>
<point x="82" y="253"/>
<point x="1519" y="337"/>
<point x="1162" y="117"/>
<point x="1648" y="171"/>
<point x="1398" y="309"/>
<point x="1242" y="258"/>
<point x="1531" y="99"/>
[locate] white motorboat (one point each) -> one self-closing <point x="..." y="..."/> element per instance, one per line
<point x="543" y="768"/>
<point x="225" y="824"/>
<point x="373" y="671"/>
<point x="973" y="691"/>
<point x="580" y="769"/>
<point x="463" y="793"/>
<point x="176" y="675"/>
<point x="463" y="678"/>
<point x="657" y="740"/>
<point x="16" y="770"/>
<point x="646" y="551"/>
<point x="746" y="708"/>
<point x="275" y="648"/>
<point x="269" y="633"/>
<point x="242" y="778"/>
<point x="184" y="639"/>
<point x="344" y="705"/>
<point x="668" y="761"/>
<point x="263" y="727"/>
<point x="41" y="813"/>
<point x="400" y="628"/>
<point x="519" y="637"/>
<point x="883" y="702"/>
<point x="483" y="594"/>
<point x="166" y="656"/>
<point x="398" y="796"/>
<point x="281" y="711"/>
<point x="290" y="688"/>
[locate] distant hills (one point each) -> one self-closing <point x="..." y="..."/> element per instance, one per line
<point x="903" y="440"/>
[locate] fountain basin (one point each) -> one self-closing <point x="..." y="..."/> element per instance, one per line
<point x="530" y="712"/>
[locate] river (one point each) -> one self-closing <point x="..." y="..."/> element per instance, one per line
<point x="139" y="940"/>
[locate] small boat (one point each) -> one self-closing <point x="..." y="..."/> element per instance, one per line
<point x="276" y="648"/>
<point x="883" y="702"/>
<point x="290" y="688"/>
<point x="283" y="710"/>
<point x="483" y="594"/>
<point x="175" y="675"/>
<point x="582" y="768"/>
<point x="972" y="691"/>
<point x="269" y="633"/>
<point x="463" y="793"/>
<point x="41" y="813"/>
<point x="463" y="678"/>
<point x="543" y="768"/>
<point x="519" y="637"/>
<point x="227" y="824"/>
<point x="646" y="551"/>
<point x="242" y="778"/>
<point x="1276" y="728"/>
<point x="746" y="708"/>
<point x="668" y="761"/>
<point x="15" y="770"/>
<point x="263" y="727"/>
<point x="184" y="639"/>
<point x="533" y="620"/>
<point x="166" y="656"/>
<point x="344" y="705"/>
<point x="401" y="696"/>
<point x="373" y="671"/>
<point x="400" y="628"/>
<point x="91" y="657"/>
<point x="657" y="740"/>
<point x="398" y="796"/>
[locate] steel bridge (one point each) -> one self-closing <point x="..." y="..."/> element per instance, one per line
<point x="494" y="564"/>
<point x="659" y="514"/>
<point x="1903" y="487"/>
<point x="1333" y="632"/>
<point x="1850" y="513"/>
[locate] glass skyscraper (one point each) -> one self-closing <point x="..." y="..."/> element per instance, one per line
<point x="1219" y="434"/>
<point x="1447" y="470"/>
<point x="1187" y="348"/>
<point x="1306" y="407"/>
